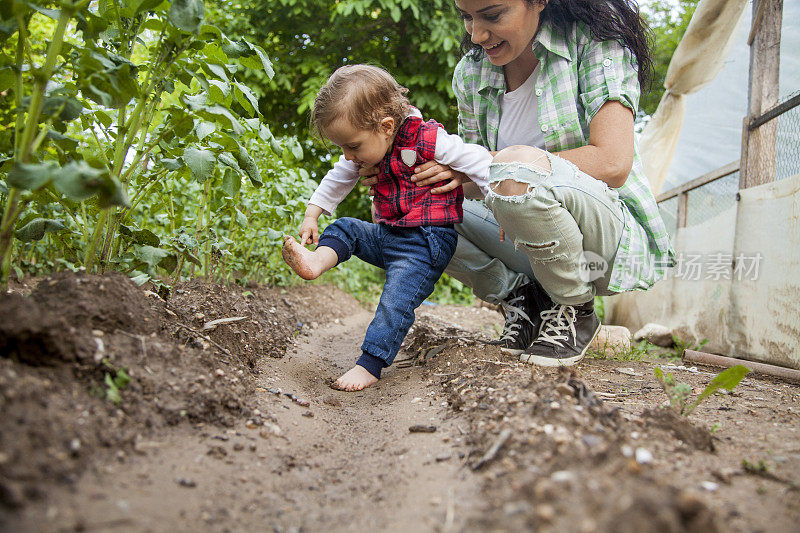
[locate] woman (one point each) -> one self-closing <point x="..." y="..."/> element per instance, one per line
<point x="563" y="76"/>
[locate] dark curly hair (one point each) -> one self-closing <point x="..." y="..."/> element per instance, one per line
<point x="608" y="20"/>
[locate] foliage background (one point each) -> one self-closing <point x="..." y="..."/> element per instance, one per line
<point x="222" y="166"/>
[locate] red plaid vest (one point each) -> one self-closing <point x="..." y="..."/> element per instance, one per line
<point x="399" y="201"/>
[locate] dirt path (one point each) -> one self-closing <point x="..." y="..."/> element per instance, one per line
<point x="228" y="424"/>
<point x="343" y="464"/>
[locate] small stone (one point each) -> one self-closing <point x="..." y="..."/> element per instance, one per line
<point x="97" y="333"/>
<point x="217" y="452"/>
<point x="238" y="446"/>
<point x="219" y="372"/>
<point x="656" y="334"/>
<point x="271" y="430"/>
<point x="421" y="428"/>
<point x="612" y="340"/>
<point x="627" y="451"/>
<point x="308" y="414"/>
<point x="185" y="482"/>
<point x="199" y="316"/>
<point x="562" y="476"/>
<point x="643" y="456"/>
<point x="565" y="390"/>
<point x="75" y="445"/>
<point x="710" y="486"/>
<point x="545" y="512"/>
<point x="443" y="457"/>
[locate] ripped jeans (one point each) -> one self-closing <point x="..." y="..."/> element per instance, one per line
<point x="564" y="232"/>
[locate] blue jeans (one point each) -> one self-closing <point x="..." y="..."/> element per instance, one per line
<point x="414" y="259"/>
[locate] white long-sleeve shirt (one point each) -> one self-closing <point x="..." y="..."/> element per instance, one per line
<point x="451" y="150"/>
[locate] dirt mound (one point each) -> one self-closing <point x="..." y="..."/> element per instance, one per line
<point x="552" y="453"/>
<point x="95" y="362"/>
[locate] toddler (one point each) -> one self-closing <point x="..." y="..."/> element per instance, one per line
<point x="363" y="110"/>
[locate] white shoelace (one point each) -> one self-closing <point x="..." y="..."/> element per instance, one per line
<point x="513" y="313"/>
<point x="557" y="322"/>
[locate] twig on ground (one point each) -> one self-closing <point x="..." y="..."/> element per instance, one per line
<point x="450" y="516"/>
<point x="141" y="339"/>
<point x="492" y="452"/>
<point x="494" y="362"/>
<point x="209" y="339"/>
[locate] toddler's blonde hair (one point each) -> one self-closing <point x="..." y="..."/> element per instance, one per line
<point x="361" y="94"/>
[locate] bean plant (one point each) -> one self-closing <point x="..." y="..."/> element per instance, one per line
<point x="131" y="142"/>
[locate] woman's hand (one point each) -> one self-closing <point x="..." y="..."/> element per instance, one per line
<point x="432" y="172"/>
<point x="368" y="177"/>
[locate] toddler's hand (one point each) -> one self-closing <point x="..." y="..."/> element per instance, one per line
<point x="309" y="231"/>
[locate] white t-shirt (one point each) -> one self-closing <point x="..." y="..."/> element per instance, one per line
<point x="519" y="116"/>
<point x="471" y="159"/>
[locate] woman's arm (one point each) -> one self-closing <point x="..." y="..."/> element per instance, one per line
<point x="609" y="154"/>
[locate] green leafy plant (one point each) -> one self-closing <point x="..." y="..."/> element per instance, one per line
<point x="680" y="346"/>
<point x="127" y="142"/>
<point x="679" y="394"/>
<point x="116" y="380"/>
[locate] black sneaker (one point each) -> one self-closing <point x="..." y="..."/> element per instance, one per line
<point x="565" y="333"/>
<point x="521" y="309"/>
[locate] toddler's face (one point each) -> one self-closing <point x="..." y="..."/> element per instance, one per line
<point x="363" y="147"/>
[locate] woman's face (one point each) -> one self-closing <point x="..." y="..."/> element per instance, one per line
<point x="504" y="28"/>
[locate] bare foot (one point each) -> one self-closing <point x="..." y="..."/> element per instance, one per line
<point x="355" y="379"/>
<point x="302" y="260"/>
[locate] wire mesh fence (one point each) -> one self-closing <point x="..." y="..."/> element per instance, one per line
<point x="787" y="144"/>
<point x="713" y="198"/>
<point x="710" y="200"/>
<point x="669" y="214"/>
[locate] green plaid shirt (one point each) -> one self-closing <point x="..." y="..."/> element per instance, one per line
<point x="577" y="76"/>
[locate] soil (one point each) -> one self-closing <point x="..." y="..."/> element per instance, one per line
<point x="228" y="423"/>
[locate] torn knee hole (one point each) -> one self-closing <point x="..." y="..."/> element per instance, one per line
<point x="551" y="244"/>
<point x="510" y="187"/>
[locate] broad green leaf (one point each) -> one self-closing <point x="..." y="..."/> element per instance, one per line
<point x="214" y="53"/>
<point x="150" y="254"/>
<point x="231" y="181"/>
<point x="218" y="71"/>
<point x="187" y="15"/>
<point x="235" y="49"/>
<point x="78" y="181"/>
<point x="67" y="108"/>
<point x="169" y="263"/>
<point x="7" y="78"/>
<point x="227" y="159"/>
<point x="296" y="149"/>
<point x="140" y="279"/>
<point x="30" y="177"/>
<point x="103" y="117"/>
<point x="727" y="379"/>
<point x="249" y="166"/>
<point x="218" y="91"/>
<point x="259" y="61"/>
<point x="50" y="13"/>
<point x="204" y="129"/>
<point x="246" y="98"/>
<point x="147" y="5"/>
<point x="36" y="229"/>
<point x="90" y="24"/>
<point x="141" y="236"/>
<point x="67" y="144"/>
<point x="171" y="164"/>
<point x="200" y="162"/>
<point x="241" y="219"/>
